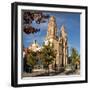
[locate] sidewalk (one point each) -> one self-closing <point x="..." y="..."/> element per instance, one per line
<point x="33" y="74"/>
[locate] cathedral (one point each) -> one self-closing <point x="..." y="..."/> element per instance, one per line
<point x="59" y="41"/>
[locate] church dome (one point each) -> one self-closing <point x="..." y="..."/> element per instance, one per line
<point x="34" y="46"/>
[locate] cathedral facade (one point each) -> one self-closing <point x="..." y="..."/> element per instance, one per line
<point x="59" y="42"/>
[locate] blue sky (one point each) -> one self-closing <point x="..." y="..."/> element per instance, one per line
<point x="71" y="21"/>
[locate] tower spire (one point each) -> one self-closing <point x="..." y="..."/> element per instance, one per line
<point x="63" y="33"/>
<point x="52" y="27"/>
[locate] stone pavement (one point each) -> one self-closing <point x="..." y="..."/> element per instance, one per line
<point x="53" y="73"/>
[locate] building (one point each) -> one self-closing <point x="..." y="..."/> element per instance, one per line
<point x="34" y="46"/>
<point x="60" y="43"/>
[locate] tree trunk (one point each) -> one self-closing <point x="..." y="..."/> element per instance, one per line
<point x="48" y="69"/>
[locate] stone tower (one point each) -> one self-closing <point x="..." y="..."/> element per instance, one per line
<point x="64" y="45"/>
<point x="60" y="43"/>
<point x="52" y="28"/>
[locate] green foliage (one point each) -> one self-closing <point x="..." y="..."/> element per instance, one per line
<point x="74" y="57"/>
<point x="48" y="55"/>
<point x="31" y="58"/>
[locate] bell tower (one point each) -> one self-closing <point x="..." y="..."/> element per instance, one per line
<point x="52" y="28"/>
<point x="63" y="41"/>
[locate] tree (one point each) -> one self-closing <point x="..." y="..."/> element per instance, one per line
<point x="74" y="57"/>
<point x="31" y="59"/>
<point x="29" y="16"/>
<point x="48" y="55"/>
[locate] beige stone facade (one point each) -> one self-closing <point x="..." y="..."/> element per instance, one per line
<point x="59" y="42"/>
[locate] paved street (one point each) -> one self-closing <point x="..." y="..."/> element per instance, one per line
<point x="45" y="73"/>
